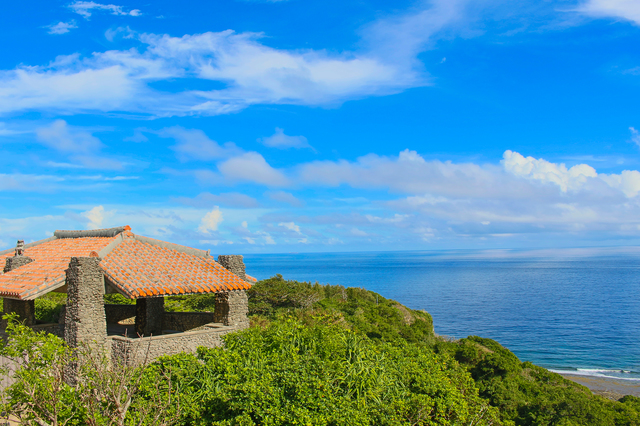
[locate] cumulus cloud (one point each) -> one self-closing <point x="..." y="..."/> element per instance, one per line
<point x="252" y="167"/>
<point x="619" y="9"/>
<point x="522" y="194"/>
<point x="95" y="217"/>
<point x="543" y="171"/>
<point x="282" y="141"/>
<point x="87" y="8"/>
<point x="291" y="226"/>
<point x="210" y="221"/>
<point x="62" y="27"/>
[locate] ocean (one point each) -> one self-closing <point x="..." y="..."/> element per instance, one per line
<point x="568" y="310"/>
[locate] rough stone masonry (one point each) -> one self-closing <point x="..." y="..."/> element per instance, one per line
<point x="85" y="321"/>
<point x="25" y="309"/>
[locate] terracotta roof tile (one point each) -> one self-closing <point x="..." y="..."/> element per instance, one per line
<point x="50" y="260"/>
<point x="137" y="268"/>
<point x="140" y="268"/>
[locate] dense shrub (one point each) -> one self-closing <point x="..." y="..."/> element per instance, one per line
<point x="532" y="395"/>
<point x="290" y="373"/>
<point x="362" y="310"/>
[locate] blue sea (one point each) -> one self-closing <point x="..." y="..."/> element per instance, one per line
<point x="571" y="310"/>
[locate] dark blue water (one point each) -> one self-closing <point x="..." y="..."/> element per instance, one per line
<point x="576" y="309"/>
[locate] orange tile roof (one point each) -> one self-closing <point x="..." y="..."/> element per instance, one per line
<point x="141" y="269"/>
<point x="47" y="271"/>
<point x="137" y="268"/>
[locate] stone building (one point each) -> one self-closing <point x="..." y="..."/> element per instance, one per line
<point x="89" y="264"/>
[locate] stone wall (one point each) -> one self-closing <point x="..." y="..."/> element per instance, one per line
<point x="149" y="314"/>
<point x="232" y="309"/>
<point x="24" y="308"/>
<point x="126" y="350"/>
<point x="186" y="321"/>
<point x="116" y="313"/>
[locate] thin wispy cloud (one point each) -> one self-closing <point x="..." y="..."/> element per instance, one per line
<point x="62" y="27"/>
<point x="87" y="8"/>
<point x="81" y="146"/>
<point x="635" y="136"/>
<point x="618" y="9"/>
<point x="252" y="72"/>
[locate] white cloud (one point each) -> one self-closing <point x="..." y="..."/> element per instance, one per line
<point x="635" y="136"/>
<point x="546" y="172"/>
<point x="523" y="194"/>
<point x="252" y="167"/>
<point x="62" y="27"/>
<point x="86" y="8"/>
<point x="282" y="141"/>
<point x="81" y="146"/>
<point x="62" y="137"/>
<point x="194" y="144"/>
<point x="95" y="216"/>
<point x="291" y="226"/>
<point x="620" y="9"/>
<point x="210" y="221"/>
<point x="252" y="72"/>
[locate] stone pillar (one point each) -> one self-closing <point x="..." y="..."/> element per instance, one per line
<point x="24" y="308"/>
<point x="149" y="316"/>
<point x="85" y="320"/>
<point x="232" y="308"/>
<point x="234" y="263"/>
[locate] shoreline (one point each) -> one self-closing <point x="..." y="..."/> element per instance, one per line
<point x="607" y="387"/>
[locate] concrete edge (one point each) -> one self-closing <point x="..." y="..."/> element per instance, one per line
<point x="212" y="328"/>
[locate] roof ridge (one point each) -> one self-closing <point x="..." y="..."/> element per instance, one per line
<point x="106" y="232"/>
<point x="26" y="246"/>
<point x="173" y="246"/>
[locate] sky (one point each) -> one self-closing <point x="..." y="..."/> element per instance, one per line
<point x="249" y="126"/>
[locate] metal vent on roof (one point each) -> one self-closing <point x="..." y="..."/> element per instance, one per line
<point x="108" y="232"/>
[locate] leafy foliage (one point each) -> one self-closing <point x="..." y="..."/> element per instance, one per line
<point x="323" y="374"/>
<point x="532" y="395"/>
<point x="54" y="384"/>
<point x="363" y="311"/>
<point x="317" y="354"/>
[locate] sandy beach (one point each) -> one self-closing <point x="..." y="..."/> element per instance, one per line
<point x="607" y="387"/>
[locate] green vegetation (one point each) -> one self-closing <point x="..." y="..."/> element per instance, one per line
<point x="329" y="355"/>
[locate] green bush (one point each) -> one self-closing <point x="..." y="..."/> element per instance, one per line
<point x="362" y="310"/>
<point x="48" y="307"/>
<point x="291" y="373"/>
<point x="531" y="395"/>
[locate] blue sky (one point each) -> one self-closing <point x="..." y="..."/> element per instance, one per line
<point x="279" y="126"/>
